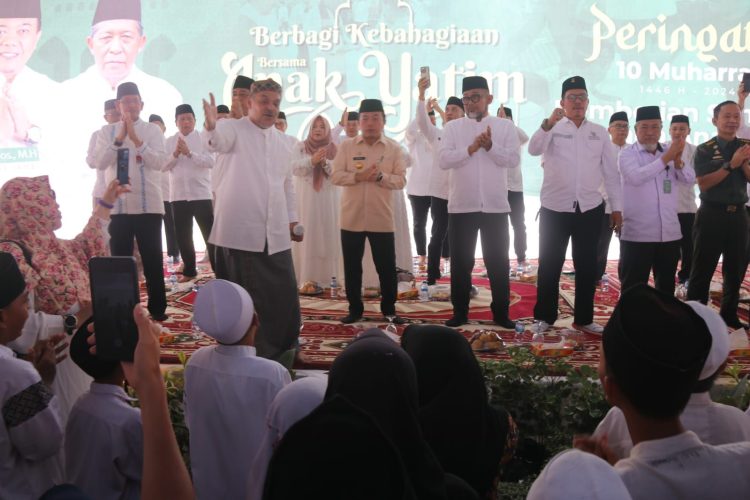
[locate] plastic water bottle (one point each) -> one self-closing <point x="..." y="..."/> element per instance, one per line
<point x="334" y="288"/>
<point x="520" y="329"/>
<point x="605" y="283"/>
<point x="173" y="281"/>
<point x="537" y="340"/>
<point x="424" y="292"/>
<point x="520" y="270"/>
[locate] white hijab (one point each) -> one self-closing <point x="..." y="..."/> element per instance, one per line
<point x="577" y="475"/>
<point x="292" y="403"/>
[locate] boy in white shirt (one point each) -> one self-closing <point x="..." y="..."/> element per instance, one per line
<point x="648" y="370"/>
<point x="713" y="423"/>
<point x="30" y="430"/>
<point x="228" y="390"/>
<point x="103" y="437"/>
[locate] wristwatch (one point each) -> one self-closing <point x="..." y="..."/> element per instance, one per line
<point x="727" y="166"/>
<point x="70" y="322"/>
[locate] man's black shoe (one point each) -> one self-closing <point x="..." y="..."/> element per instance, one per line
<point x="456" y="321"/>
<point x="351" y="318"/>
<point x="397" y="320"/>
<point x="159" y="316"/>
<point x="505" y="323"/>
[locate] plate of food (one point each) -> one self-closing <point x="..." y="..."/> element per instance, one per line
<point x="486" y="341"/>
<point x="371" y="292"/>
<point x="441" y="293"/>
<point x="310" y="288"/>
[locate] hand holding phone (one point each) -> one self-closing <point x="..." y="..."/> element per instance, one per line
<point x="424" y="72"/>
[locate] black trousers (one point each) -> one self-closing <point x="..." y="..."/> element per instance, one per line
<point x="637" y="259"/>
<point x="517" y="214"/>
<point x="383" y="254"/>
<point x="439" y="244"/>
<point x="173" y="250"/>
<point x="718" y="232"/>
<point x="602" y="247"/>
<point x="462" y="233"/>
<point x="555" y="229"/>
<point x="686" y="245"/>
<point x="184" y="212"/>
<point x="420" y="206"/>
<point x="146" y="229"/>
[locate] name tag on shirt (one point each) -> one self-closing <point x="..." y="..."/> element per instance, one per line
<point x="359" y="162"/>
<point x="562" y="136"/>
<point x="667" y="186"/>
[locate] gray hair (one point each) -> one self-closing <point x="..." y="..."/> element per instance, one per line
<point x="267" y="85"/>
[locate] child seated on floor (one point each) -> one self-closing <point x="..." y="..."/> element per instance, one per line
<point x="654" y="348"/>
<point x="228" y="391"/>
<point x="103" y="437"/>
<point x="713" y="423"/>
<point x="30" y="430"/>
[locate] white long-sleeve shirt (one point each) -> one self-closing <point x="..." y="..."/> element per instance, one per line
<point x="104" y="444"/>
<point x="228" y="391"/>
<point x="420" y="149"/>
<point x="255" y="201"/>
<point x="576" y="160"/>
<point x="144" y="167"/>
<point x="650" y="193"/>
<point x="99" y="186"/>
<point x="515" y="175"/>
<point x="439" y="178"/>
<point x="189" y="177"/>
<point x="30" y="431"/>
<point x="478" y="183"/>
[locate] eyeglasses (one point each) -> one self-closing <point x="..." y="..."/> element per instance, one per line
<point x="474" y="98"/>
<point x="576" y="97"/>
<point x="620" y="126"/>
<point x="649" y="127"/>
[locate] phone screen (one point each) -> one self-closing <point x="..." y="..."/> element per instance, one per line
<point x="114" y="294"/>
<point x="746" y="81"/>
<point x="123" y="160"/>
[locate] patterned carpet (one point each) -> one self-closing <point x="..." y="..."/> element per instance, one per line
<point x="323" y="336"/>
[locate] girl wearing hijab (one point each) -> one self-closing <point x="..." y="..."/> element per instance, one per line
<point x="338" y="452"/>
<point x="318" y="257"/>
<point x="292" y="403"/>
<point x="377" y="376"/>
<point x="55" y="270"/>
<point x="467" y="435"/>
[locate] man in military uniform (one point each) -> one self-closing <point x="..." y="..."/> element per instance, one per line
<point x="722" y="170"/>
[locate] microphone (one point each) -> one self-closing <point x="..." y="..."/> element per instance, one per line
<point x="299" y="230"/>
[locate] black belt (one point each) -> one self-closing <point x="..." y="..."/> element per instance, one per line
<point x="721" y="206"/>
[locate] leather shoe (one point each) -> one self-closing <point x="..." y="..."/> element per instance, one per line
<point x="505" y="323"/>
<point x="159" y="316"/>
<point x="351" y="318"/>
<point x="456" y="321"/>
<point x="397" y="320"/>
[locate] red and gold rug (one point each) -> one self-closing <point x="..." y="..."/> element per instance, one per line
<point x="323" y="337"/>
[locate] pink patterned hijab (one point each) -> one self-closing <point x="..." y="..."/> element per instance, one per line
<point x="29" y="215"/>
<point x="312" y="145"/>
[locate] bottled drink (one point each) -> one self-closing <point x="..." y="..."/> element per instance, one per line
<point x="334" y="288"/>
<point x="173" y="281"/>
<point x="519" y="330"/>
<point x="424" y="292"/>
<point x="605" y="283"/>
